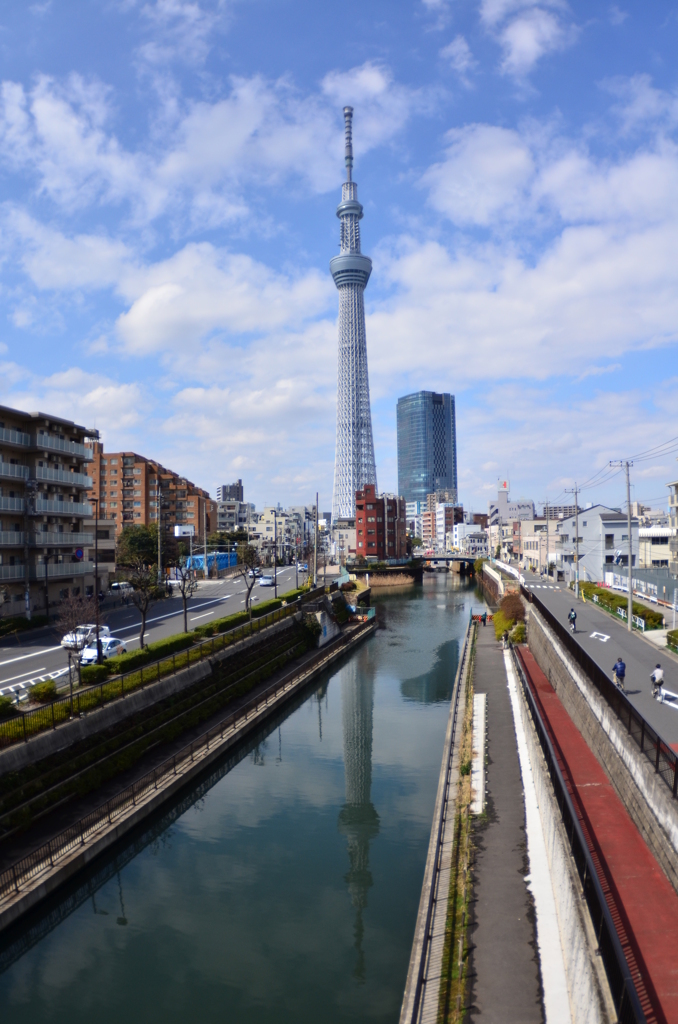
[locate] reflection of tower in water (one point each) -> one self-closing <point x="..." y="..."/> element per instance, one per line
<point x="358" y="820"/>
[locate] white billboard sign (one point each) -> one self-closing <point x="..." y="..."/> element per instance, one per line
<point x="187" y="530"/>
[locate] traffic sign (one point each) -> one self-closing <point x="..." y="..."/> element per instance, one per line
<point x="79" y="554"/>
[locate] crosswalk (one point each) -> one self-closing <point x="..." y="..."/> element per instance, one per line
<point x="541" y="586"/>
<point x="19" y="689"/>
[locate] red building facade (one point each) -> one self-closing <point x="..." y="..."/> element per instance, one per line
<point x="380" y="525"/>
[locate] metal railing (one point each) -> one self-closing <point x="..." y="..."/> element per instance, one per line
<point x="12" y="504"/>
<point x="12" y="538"/>
<point x="64" y="508"/>
<point x="650" y="744"/>
<point x="12" y="572"/>
<point x="418" y="990"/>
<point x="15" y="437"/>
<point x="624" y="994"/>
<point x="45" y="856"/>
<point x="56" y="539"/>
<point x="9" y="469"/>
<point x="37" y="572"/>
<point x="63" y="476"/>
<point x="51" y="715"/>
<point x="57" y="444"/>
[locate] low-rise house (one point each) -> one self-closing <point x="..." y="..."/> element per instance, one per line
<point x="603" y="543"/>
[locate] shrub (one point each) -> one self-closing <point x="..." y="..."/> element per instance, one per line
<point x="611" y="600"/>
<point x="6" y="707"/>
<point x="152" y="652"/>
<point x="501" y="623"/>
<point x="292" y="595"/>
<point x="478" y="565"/>
<point x="266" y="607"/>
<point x="348" y="586"/>
<point x="519" y="633"/>
<point x="513" y="608"/>
<point x="91" y="674"/>
<point x="222" y="625"/>
<point x="44" y="691"/>
<point x="672" y="637"/>
<point x="20" y="622"/>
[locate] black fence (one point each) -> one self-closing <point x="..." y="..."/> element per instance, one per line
<point x="624" y="994"/>
<point x="22" y="871"/>
<point x="650" y="744"/>
<point x="22" y="726"/>
<point x="444" y="804"/>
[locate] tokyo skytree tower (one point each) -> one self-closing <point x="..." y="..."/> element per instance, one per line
<point x="354" y="456"/>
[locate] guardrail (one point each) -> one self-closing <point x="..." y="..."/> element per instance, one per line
<point x="622" y="986"/>
<point x="57" y="712"/>
<point x="416" y="1002"/>
<point x="657" y="750"/>
<point x="45" y="856"/>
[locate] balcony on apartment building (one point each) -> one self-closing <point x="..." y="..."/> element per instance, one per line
<point x="37" y="572"/>
<point x="44" y="442"/>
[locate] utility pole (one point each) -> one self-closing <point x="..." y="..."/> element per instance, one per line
<point x="575" y="491"/>
<point x="315" y="544"/>
<point x="159" y="534"/>
<point x="275" y="553"/>
<point x="95" y="502"/>
<point x="204" y="530"/>
<point x="626" y="464"/>
<point x="29" y="502"/>
<point x="547" y="537"/>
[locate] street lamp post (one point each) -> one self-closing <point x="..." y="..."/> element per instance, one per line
<point x="275" y="553"/>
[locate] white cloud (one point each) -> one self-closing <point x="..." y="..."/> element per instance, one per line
<point x="181" y="29"/>
<point x="461" y="60"/>
<point x="616" y="15"/>
<point x="259" y="134"/>
<point x="485" y="171"/>
<point x="527" y="30"/>
<point x="643" y="107"/>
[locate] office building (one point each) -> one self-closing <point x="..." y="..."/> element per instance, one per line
<point x="231" y="492"/>
<point x="133" y="490"/>
<point x="44" y="479"/>
<point x="380" y="525"/>
<point x="427" y="446"/>
<point x="504" y="511"/>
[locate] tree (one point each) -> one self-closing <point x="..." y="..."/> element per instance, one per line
<point x="248" y="561"/>
<point x="74" y="612"/>
<point x="139" y="543"/>
<point x="187" y="588"/>
<point x="416" y="542"/>
<point x="145" y="591"/>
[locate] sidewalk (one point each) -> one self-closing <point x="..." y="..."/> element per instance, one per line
<point x="504" y="974"/>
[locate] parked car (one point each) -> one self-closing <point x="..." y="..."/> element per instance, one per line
<point x="123" y="589"/>
<point x="303" y="567"/>
<point x="110" y="646"/>
<point x="266" y="581"/>
<point x="81" y="636"/>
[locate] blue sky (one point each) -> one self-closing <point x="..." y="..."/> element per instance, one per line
<point x="169" y="172"/>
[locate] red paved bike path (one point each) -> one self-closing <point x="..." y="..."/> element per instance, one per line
<point x="642" y="901"/>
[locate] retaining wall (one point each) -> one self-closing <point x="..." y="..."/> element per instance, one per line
<point x="44" y="744"/>
<point x="646" y="797"/>
<point x="590" y="997"/>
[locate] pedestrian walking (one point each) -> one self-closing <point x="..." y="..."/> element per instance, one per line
<point x="657" y="678"/>
<point x="619" y="672"/>
<point x="484" y="618"/>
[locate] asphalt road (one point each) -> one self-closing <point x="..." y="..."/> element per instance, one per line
<point x="604" y="637"/>
<point x="32" y="660"/>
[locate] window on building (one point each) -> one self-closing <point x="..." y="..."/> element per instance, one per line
<point x="609" y="541"/>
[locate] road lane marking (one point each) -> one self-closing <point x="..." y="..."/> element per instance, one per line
<point x="603" y="637"/>
<point x="12" y="678"/>
<point x="204" y="615"/>
<point x="35" y="654"/>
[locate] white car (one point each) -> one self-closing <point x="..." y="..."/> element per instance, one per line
<point x="81" y="636"/>
<point x="266" y="581"/>
<point x="110" y="646"/>
<point x="254" y="572"/>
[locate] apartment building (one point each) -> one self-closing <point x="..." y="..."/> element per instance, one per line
<point x="133" y="491"/>
<point x="234" y="515"/>
<point x="448" y="514"/>
<point x="380" y="525"/>
<point x="231" y="492"/>
<point x="101" y="553"/>
<point x="673" y="522"/>
<point x="603" y="543"/>
<point x="43" y="508"/>
<point x="654" y="546"/>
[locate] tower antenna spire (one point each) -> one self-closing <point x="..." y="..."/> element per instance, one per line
<point x="348" y="147"/>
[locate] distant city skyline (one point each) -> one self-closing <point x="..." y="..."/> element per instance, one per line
<point x="169" y="172"/>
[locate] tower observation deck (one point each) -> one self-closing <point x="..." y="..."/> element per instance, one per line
<point x="354" y="464"/>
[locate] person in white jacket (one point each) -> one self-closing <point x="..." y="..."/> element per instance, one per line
<point x="657" y="678"/>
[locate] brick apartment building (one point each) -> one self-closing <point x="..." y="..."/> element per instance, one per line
<point x="380" y="525"/>
<point x="132" y="489"/>
<point x="43" y="511"/>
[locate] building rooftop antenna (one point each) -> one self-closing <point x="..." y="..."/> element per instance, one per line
<point x="348" y="145"/>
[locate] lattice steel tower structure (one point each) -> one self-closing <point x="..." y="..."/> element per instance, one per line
<point x="354" y="456"/>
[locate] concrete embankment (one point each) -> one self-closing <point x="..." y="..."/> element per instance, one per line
<point x="25" y="884"/>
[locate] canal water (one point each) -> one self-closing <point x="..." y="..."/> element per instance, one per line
<point x="284" y="887"/>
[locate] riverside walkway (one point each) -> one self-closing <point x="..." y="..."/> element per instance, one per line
<point x="642" y="901"/>
<point x="504" y="971"/>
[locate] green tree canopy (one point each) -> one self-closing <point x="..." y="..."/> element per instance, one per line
<point x="138" y="544"/>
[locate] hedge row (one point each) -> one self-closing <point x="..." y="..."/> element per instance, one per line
<point x="610" y="600"/>
<point x="672" y="638"/>
<point x="152" y="652"/>
<point x="20" y="622"/>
